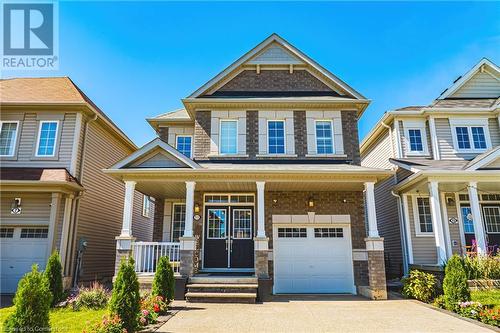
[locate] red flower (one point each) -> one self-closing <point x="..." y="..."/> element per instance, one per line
<point x="156" y="308"/>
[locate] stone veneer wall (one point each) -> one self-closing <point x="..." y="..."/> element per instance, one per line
<point x="300" y="133"/>
<point x="202" y="130"/>
<point x="158" y="220"/>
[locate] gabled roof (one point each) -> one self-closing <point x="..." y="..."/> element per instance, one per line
<point x="484" y="159"/>
<point x="171" y="117"/>
<point x="294" y="54"/>
<point x="484" y="65"/>
<point x="157" y="143"/>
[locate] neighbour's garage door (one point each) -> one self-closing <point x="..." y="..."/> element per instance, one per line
<point x="20" y="248"/>
<point x="313" y="259"/>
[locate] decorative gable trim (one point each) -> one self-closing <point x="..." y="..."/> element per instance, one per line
<point x="164" y="148"/>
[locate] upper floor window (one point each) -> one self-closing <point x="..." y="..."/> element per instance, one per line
<point x="415" y="137"/>
<point x="47" y="137"/>
<point x="146" y="206"/>
<point x="228" y="137"/>
<point x="8" y="135"/>
<point x="470" y="134"/>
<point x="183" y="144"/>
<point x="276" y="137"/>
<point x="324" y="138"/>
<point x="424" y="216"/>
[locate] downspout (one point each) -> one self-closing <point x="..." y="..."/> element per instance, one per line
<point x="402" y="232"/>
<point x="393" y="150"/>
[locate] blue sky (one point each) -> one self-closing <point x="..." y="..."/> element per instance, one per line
<point x="137" y="59"/>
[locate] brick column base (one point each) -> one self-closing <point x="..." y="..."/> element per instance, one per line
<point x="123" y="250"/>
<point x="187" y="251"/>
<point x="377" y="288"/>
<point x="261" y="264"/>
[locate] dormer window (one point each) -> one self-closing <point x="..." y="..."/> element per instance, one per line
<point x="470" y="135"/>
<point x="184" y="144"/>
<point x="276" y="136"/>
<point x="228" y="137"/>
<point x="415" y="137"/>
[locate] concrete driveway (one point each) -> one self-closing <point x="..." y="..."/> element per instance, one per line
<point x="316" y="314"/>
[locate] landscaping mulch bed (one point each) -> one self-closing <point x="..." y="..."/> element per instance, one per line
<point x="161" y="320"/>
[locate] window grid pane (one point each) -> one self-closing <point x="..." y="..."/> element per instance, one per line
<point x="217" y="223"/>
<point x="34" y="232"/>
<point x="415" y="140"/>
<point x="47" y="139"/>
<point x="324" y="141"/>
<point x="216" y="198"/>
<point x="478" y="137"/>
<point x="178" y="221"/>
<point x="467" y="221"/>
<point x="424" y="214"/>
<point x="462" y="138"/>
<point x="328" y="232"/>
<point x="492" y="219"/>
<point x="292" y="233"/>
<point x="6" y="232"/>
<point x="184" y="145"/>
<point x="8" y="138"/>
<point x="242" y="224"/>
<point x="276" y="137"/>
<point x="228" y="137"/>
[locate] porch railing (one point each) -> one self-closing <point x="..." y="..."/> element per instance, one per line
<point x="147" y="254"/>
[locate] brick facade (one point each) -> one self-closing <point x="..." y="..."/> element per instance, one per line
<point x="252" y="133"/>
<point x="202" y="130"/>
<point x="158" y="220"/>
<point x="300" y="133"/>
<point x="350" y="136"/>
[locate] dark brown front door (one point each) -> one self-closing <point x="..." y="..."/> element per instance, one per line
<point x="228" y="237"/>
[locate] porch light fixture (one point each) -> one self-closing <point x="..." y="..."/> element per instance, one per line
<point x="196" y="208"/>
<point x="15" y="207"/>
<point x="310" y="202"/>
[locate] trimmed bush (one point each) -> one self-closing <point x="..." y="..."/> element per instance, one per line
<point x="482" y="267"/>
<point x="53" y="273"/>
<point x="420" y="285"/>
<point x="95" y="297"/>
<point x="32" y="301"/>
<point x="164" y="281"/>
<point x="455" y="285"/>
<point x="125" y="299"/>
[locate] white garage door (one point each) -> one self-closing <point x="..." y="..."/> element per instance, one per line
<point x="313" y="259"/>
<point x="20" y="248"/>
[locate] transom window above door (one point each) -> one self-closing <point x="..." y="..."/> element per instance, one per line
<point x="324" y="137"/>
<point x="276" y="137"/>
<point x="228" y="137"/>
<point x="8" y="136"/>
<point x="47" y="138"/>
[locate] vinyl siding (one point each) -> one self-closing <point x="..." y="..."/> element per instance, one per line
<point x="424" y="248"/>
<point x="378" y="154"/>
<point x="494" y="131"/>
<point x="35" y="209"/>
<point x="480" y="85"/>
<point x="405" y="141"/>
<point x="100" y="209"/>
<point x="26" y="146"/>
<point x="451" y="212"/>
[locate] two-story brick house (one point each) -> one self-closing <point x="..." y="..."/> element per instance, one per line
<point x="446" y="191"/>
<point x="53" y="144"/>
<point x="259" y="174"/>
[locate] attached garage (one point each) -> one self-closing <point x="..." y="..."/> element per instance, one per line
<point x="313" y="259"/>
<point x="20" y="248"/>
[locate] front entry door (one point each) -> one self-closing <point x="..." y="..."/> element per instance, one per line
<point x="228" y="237"/>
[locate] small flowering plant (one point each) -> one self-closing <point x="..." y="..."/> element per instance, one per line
<point x="108" y="324"/>
<point x="490" y="317"/>
<point x="470" y="309"/>
<point x="151" y="308"/>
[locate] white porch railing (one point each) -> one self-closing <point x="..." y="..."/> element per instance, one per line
<point x="147" y="254"/>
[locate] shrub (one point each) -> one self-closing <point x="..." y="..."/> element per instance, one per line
<point x="420" y="285"/>
<point x="94" y="297"/>
<point x="32" y="304"/>
<point x="108" y="324"/>
<point x="439" y="302"/>
<point x="469" y="309"/>
<point x="151" y="307"/>
<point x="482" y="267"/>
<point x="53" y="272"/>
<point x="455" y="283"/>
<point x="164" y="281"/>
<point x="125" y="297"/>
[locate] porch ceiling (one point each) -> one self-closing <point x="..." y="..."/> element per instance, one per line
<point x="456" y="186"/>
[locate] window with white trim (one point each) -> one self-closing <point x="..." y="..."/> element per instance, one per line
<point x="324" y="137"/>
<point x="424" y="215"/>
<point x="228" y="137"/>
<point x="415" y="137"/>
<point x="470" y="136"/>
<point x="292" y="233"/>
<point x="276" y="137"/>
<point x="467" y="221"/>
<point x="178" y="221"/>
<point x="47" y="138"/>
<point x="8" y="136"/>
<point x="34" y="232"/>
<point x="146" y="206"/>
<point x="492" y="219"/>
<point x="183" y="144"/>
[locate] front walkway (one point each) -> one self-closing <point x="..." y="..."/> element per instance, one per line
<point x="315" y="314"/>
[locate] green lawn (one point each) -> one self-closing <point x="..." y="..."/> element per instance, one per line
<point x="64" y="320"/>
<point x="487" y="297"/>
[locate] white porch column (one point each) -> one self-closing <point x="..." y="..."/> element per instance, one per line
<point x="371" y="212"/>
<point x="479" y="232"/>
<point x="261" y="229"/>
<point x="437" y="221"/>
<point x="63" y="245"/>
<point x="188" y="225"/>
<point x="128" y="209"/>
<point x="54" y="208"/>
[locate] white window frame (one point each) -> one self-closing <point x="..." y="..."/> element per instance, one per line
<point x="484" y="219"/>
<point x="208" y="224"/>
<point x="172" y="219"/>
<point x="220" y="136"/>
<point x="416" y="125"/>
<point x="284" y="136"/>
<point x="332" y="136"/>
<point x="185" y="136"/>
<point x="416" y="217"/>
<point x="232" y="222"/>
<point x="15" y="136"/>
<point x="469" y="123"/>
<point x="39" y="138"/>
<point x="146" y="206"/>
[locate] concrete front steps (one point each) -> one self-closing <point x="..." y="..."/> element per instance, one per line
<point x="222" y="289"/>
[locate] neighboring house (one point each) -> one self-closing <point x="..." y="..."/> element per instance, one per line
<point x="260" y="173"/>
<point x="54" y="143"/>
<point x="446" y="190"/>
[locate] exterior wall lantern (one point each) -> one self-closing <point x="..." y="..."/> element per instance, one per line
<point x="15" y="207"/>
<point x="310" y="202"/>
<point x="196" y="208"/>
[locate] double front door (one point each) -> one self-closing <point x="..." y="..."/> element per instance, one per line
<point x="228" y="237"/>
